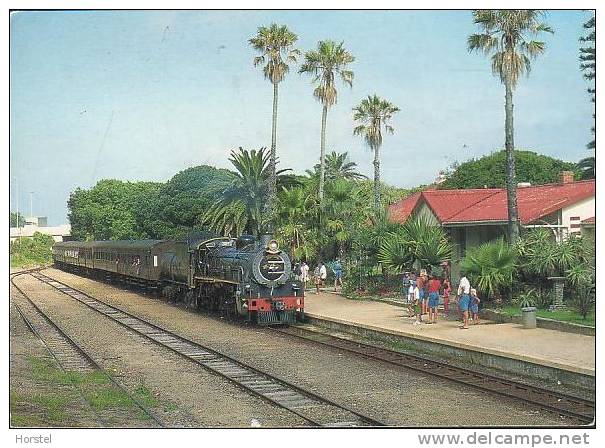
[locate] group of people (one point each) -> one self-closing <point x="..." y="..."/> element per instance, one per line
<point x="320" y="274"/>
<point x="423" y="291"/>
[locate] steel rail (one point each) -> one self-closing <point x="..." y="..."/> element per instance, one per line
<point x="311" y="407"/>
<point x="557" y="402"/>
<point x="69" y="355"/>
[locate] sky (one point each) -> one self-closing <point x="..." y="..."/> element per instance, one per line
<point x="142" y="95"/>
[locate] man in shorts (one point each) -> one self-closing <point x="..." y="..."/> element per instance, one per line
<point x="464" y="299"/>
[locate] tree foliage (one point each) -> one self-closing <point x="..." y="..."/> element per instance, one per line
<point x="16" y="219"/>
<point x="414" y="245"/>
<point x="106" y="211"/>
<point x="373" y="115"/>
<point x="588" y="59"/>
<point x="240" y="206"/>
<point x="113" y="209"/>
<point x="491" y="266"/>
<point x="275" y="44"/>
<point x="324" y="64"/>
<point x="490" y="170"/>
<point x="36" y="250"/>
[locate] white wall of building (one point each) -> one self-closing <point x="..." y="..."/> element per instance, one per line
<point x="583" y="209"/>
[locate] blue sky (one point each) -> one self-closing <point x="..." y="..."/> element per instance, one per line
<point x="142" y="95"/>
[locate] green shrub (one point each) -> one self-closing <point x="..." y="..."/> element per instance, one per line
<point x="36" y="250"/>
<point x="491" y="266"/>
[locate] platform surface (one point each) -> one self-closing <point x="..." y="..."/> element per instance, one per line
<point x="569" y="351"/>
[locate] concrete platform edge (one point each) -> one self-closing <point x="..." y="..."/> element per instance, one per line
<point x="493" y="359"/>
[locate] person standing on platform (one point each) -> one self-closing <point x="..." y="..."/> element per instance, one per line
<point x="337" y="268"/>
<point x="411" y="298"/>
<point x="421" y="283"/>
<point x="433" y="287"/>
<point x="323" y="273"/>
<point x="304" y="273"/>
<point x="464" y="299"/>
<point x="317" y="278"/>
<point x="416" y="303"/>
<point x="447" y="290"/>
<point x="474" y="306"/>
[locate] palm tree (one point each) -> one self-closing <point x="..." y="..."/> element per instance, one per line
<point x="293" y="213"/>
<point x="240" y="207"/>
<point x="324" y="63"/>
<point x="275" y="43"/>
<point x="587" y="165"/>
<point x="337" y="167"/>
<point x="374" y="113"/>
<point x="505" y="36"/>
<point x="588" y="63"/>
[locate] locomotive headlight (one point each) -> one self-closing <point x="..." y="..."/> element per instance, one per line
<point x="272" y="247"/>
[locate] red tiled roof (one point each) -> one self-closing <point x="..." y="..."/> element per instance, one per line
<point x="462" y="206"/>
<point x="589" y="221"/>
<point x="399" y="211"/>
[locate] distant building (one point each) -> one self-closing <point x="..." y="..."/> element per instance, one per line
<point x="35" y="224"/>
<point x="475" y="216"/>
<point x="40" y="221"/>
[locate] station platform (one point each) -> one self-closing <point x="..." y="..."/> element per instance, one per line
<point x="553" y="355"/>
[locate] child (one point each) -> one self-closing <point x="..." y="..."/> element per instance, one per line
<point x="475" y="306"/>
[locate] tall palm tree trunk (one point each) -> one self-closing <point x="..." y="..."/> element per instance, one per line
<point x="377" y="178"/>
<point x="270" y="205"/>
<point x="511" y="183"/>
<point x="322" y="156"/>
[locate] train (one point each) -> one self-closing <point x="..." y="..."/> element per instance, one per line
<point x="247" y="277"/>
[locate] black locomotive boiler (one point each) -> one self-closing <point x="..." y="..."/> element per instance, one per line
<point x="245" y="277"/>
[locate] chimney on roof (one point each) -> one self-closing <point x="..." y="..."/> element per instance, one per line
<point x="566" y="177"/>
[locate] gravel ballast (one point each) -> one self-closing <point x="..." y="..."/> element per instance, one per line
<point x="376" y="389"/>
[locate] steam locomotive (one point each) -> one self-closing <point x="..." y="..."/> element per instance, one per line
<point x="246" y="277"/>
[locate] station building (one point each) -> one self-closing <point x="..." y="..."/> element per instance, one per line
<point x="475" y="216"/>
<point x="35" y="224"/>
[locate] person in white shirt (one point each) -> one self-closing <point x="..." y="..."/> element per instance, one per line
<point x="464" y="299"/>
<point x="321" y="273"/>
<point x="304" y="273"/>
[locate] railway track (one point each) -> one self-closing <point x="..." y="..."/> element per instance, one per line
<point x="71" y="357"/>
<point x="314" y="409"/>
<point x="562" y="404"/>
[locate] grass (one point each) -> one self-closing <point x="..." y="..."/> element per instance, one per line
<point x="108" y="398"/>
<point x="566" y="315"/>
<point x="50" y="407"/>
<point x="143" y="393"/>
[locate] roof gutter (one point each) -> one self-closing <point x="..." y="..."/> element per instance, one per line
<point x="473" y="223"/>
